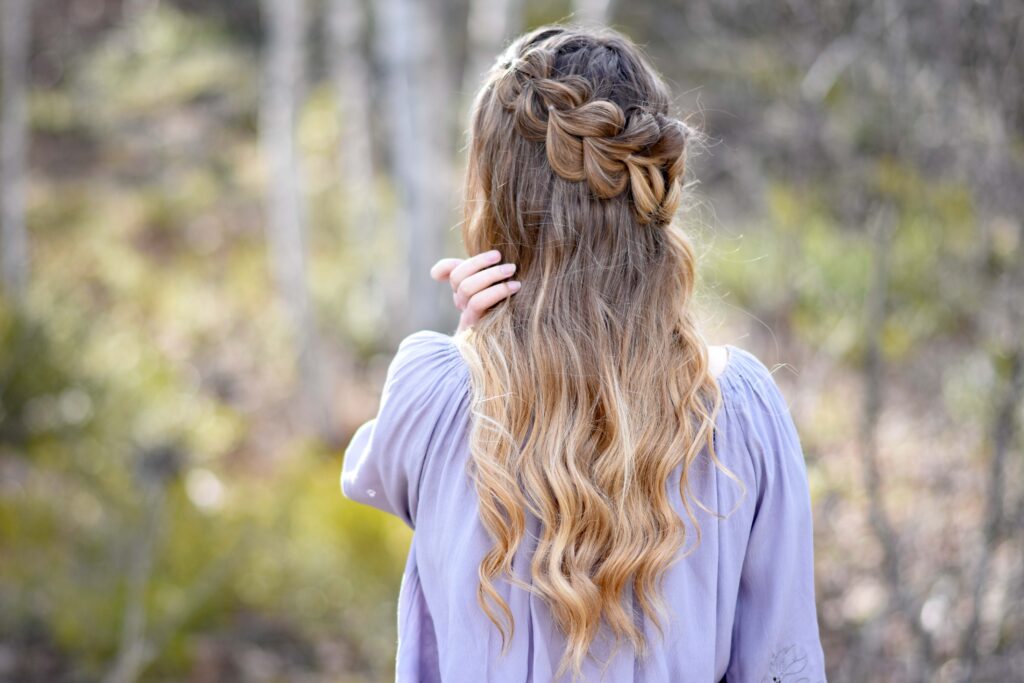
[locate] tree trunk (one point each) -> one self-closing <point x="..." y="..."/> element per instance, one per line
<point x="592" y="12"/>
<point x="419" y="97"/>
<point x="490" y="26"/>
<point x="135" y="651"/>
<point x="1003" y="434"/>
<point x="284" y="73"/>
<point x="16" y="29"/>
<point x="350" y="75"/>
<point x="904" y="602"/>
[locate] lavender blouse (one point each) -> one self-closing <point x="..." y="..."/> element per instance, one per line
<point x="743" y="605"/>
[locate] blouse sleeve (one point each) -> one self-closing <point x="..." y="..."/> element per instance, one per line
<point x="419" y="408"/>
<point x="775" y="632"/>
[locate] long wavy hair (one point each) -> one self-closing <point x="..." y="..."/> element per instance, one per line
<point x="591" y="385"/>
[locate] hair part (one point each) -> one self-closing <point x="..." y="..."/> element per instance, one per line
<point x="590" y="386"/>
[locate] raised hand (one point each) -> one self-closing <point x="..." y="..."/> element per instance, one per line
<point x="477" y="283"/>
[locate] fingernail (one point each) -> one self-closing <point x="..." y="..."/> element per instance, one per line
<point x="493" y="255"/>
<point x="508" y="268"/>
<point x="515" y="285"/>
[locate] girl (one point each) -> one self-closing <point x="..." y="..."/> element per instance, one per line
<point x="596" y="494"/>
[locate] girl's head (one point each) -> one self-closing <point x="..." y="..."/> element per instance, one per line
<point x="570" y="132"/>
<point x="590" y="385"/>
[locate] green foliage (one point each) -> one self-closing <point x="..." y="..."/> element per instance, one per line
<point x="163" y="61"/>
<point x="281" y="542"/>
<point x="40" y="400"/>
<point x="816" y="271"/>
<point x="801" y="264"/>
<point x="151" y="324"/>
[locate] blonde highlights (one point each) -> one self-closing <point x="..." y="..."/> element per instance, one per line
<point x="591" y="385"/>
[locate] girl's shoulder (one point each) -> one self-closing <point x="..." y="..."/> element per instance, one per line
<point x="426" y="357"/>
<point x="426" y="360"/>
<point x="745" y="371"/>
<point x="755" y="417"/>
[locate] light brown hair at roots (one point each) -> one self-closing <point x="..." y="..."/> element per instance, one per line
<point x="591" y="385"/>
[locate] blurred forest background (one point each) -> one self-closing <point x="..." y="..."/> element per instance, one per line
<point x="217" y="221"/>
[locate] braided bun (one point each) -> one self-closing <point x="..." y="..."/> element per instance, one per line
<point x="592" y="139"/>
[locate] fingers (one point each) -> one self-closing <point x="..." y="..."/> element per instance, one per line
<point x="480" y="302"/>
<point x="476" y="283"/>
<point x="441" y="270"/>
<point x="473" y="284"/>
<point x="471" y="266"/>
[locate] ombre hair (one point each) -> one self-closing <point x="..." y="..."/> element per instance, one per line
<point x="591" y="385"/>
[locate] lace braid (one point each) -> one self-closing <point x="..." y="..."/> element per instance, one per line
<point x="594" y="140"/>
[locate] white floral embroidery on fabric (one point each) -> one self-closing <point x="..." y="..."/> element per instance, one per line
<point x="371" y="493"/>
<point x="786" y="665"/>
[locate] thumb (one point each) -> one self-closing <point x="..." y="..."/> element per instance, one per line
<point x="443" y="268"/>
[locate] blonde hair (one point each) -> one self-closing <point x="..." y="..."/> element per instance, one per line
<point x="590" y="385"/>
